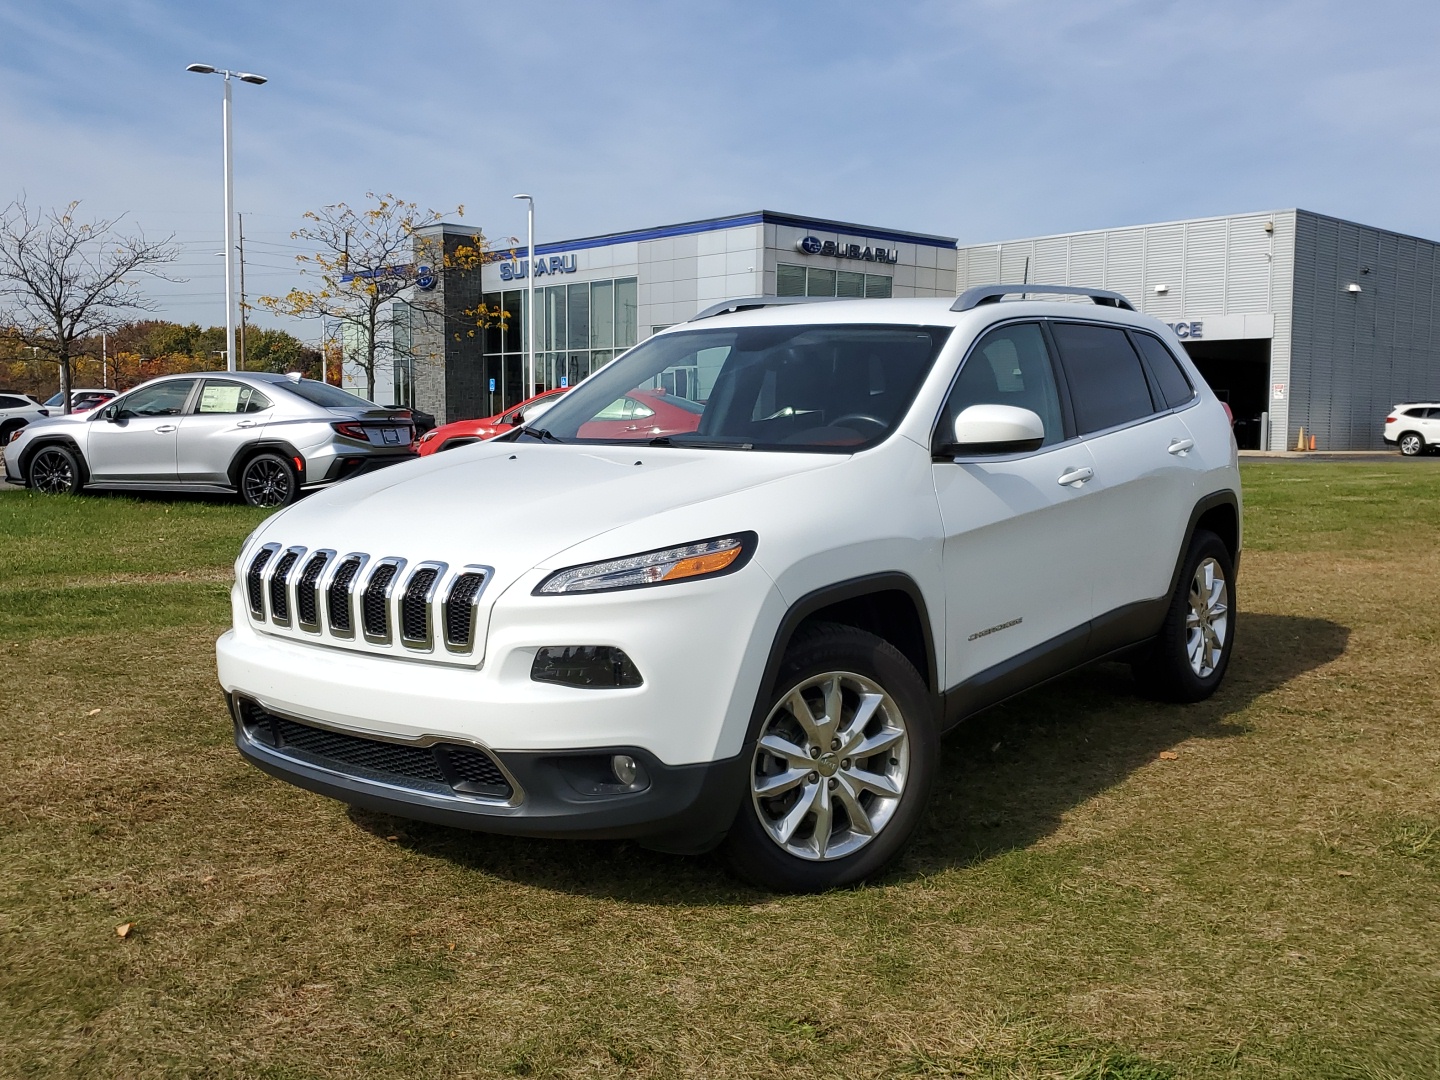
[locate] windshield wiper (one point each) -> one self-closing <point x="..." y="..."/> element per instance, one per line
<point x="708" y="444"/>
<point x="542" y="434"/>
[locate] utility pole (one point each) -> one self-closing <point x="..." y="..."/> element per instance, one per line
<point x="104" y="360"/>
<point x="241" y="219"/>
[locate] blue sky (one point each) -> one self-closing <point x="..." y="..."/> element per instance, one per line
<point x="981" y="119"/>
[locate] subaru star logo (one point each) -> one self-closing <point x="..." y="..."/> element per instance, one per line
<point x="810" y="245"/>
<point x="425" y="277"/>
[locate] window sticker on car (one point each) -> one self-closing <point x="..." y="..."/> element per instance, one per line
<point x="220" y="399"/>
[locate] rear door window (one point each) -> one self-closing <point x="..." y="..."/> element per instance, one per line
<point x="1107" y="382"/>
<point x="1175" y="387"/>
<point x="223" y="396"/>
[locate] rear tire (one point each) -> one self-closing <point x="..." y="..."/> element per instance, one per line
<point x="831" y="799"/>
<point x="1412" y="444"/>
<point x="268" y="481"/>
<point x="1188" y="658"/>
<point x="55" y="470"/>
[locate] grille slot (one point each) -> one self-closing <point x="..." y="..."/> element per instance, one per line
<point x="307" y="596"/>
<point x="375" y="616"/>
<point x="460" y="609"/>
<point x="279" y="601"/>
<point x="440" y="769"/>
<point x="254" y="581"/>
<point x="340" y="596"/>
<point x="415" y="608"/>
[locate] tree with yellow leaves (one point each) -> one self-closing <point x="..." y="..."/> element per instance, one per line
<point x="363" y="261"/>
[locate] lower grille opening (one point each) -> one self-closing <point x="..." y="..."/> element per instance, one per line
<point x="441" y="769"/>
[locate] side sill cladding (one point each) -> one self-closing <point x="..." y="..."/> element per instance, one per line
<point x="852" y="595"/>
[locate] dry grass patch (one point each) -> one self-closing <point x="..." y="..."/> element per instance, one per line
<point x="1260" y="902"/>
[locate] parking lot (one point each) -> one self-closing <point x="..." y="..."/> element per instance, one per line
<point x="1105" y="887"/>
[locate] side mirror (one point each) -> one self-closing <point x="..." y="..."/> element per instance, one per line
<point x="111" y="413"/>
<point x="996" y="429"/>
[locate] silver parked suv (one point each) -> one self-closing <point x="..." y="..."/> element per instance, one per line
<point x="264" y="436"/>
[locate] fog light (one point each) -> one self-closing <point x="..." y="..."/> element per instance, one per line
<point x="590" y="666"/>
<point x="624" y="768"/>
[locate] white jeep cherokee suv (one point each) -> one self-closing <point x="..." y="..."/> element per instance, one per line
<point x="890" y="515"/>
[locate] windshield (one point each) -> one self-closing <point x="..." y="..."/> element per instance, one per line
<point x="814" y="388"/>
<point x="325" y="395"/>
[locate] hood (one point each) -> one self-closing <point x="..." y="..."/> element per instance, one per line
<point x="512" y="506"/>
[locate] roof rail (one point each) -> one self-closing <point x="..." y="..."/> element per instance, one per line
<point x="989" y="294"/>
<point x="749" y="303"/>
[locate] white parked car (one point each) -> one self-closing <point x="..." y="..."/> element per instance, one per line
<point x="1414" y="427"/>
<point x="892" y="515"/>
<point x="17" y="410"/>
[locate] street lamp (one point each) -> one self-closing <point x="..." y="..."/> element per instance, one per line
<point x="530" y="295"/>
<point x="257" y="80"/>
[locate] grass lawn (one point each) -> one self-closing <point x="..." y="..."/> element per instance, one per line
<point x="1264" y="904"/>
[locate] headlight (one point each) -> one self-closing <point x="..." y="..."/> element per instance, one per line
<point x="704" y="558"/>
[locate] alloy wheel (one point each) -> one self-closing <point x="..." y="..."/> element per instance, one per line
<point x="267" y="482"/>
<point x="53" y="473"/>
<point x="830" y="766"/>
<point x="1209" y="618"/>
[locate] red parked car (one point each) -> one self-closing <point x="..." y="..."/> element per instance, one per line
<point x="465" y="432"/>
<point x="639" y="414"/>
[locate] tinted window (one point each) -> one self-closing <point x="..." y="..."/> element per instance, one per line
<point x="1174" y="386"/>
<point x="12" y="402"/>
<point x="325" y="395"/>
<point x="1009" y="366"/>
<point x="163" y="399"/>
<point x="1107" y="383"/>
<point x="220" y="396"/>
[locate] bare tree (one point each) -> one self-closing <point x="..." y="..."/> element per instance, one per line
<point x="62" y="280"/>
<point x="365" y="258"/>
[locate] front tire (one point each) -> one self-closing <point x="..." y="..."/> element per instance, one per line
<point x="55" y="470"/>
<point x="268" y="481"/>
<point x="1188" y="658"/>
<point x="1412" y="444"/>
<point x="842" y="766"/>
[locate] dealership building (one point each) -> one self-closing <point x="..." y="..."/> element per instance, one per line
<point x="1296" y="319"/>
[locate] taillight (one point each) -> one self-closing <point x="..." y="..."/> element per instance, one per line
<point x="352" y="431"/>
<point x="1391" y="419"/>
<point x="1228" y="414"/>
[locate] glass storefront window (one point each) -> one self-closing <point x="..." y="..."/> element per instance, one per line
<point x="819" y="282"/>
<point x="626" y="312"/>
<point x="792" y="280"/>
<point x="578" y="302"/>
<point x="789" y="280"/>
<point x="602" y="314"/>
<point x="849" y="283"/>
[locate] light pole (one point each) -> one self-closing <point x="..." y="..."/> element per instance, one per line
<point x="530" y="295"/>
<point x="257" y="80"/>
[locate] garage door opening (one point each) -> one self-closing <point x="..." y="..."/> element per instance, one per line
<point x="1239" y="373"/>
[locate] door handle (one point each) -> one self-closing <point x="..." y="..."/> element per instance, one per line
<point x="1076" y="477"/>
<point x="245" y="423"/>
<point x="1181" y="446"/>
<point x="164" y="429"/>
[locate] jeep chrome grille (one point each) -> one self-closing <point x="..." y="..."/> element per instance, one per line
<point x="418" y="608"/>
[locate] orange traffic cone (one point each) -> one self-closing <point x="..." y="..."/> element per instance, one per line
<point x="1312" y="442"/>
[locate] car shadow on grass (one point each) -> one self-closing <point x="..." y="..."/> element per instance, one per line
<point x="1008" y="777"/>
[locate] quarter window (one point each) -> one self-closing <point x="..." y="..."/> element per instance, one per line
<point x="1174" y="386"/>
<point x="1107" y="383"/>
<point x="1009" y="366"/>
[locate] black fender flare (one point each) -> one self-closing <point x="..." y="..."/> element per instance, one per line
<point x="828" y="595"/>
<point x="43" y="441"/>
<point x="1207" y="503"/>
<point x="260" y="446"/>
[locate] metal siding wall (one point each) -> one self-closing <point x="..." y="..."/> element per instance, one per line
<point x="1164" y="265"/>
<point x="1125" y="263"/>
<point x="1282" y="246"/>
<point x="1202" y="291"/>
<point x="1051" y="265"/>
<point x="1087" y="260"/>
<point x="1014" y="258"/>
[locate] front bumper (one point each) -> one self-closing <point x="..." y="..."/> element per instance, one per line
<point x="554" y="794"/>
